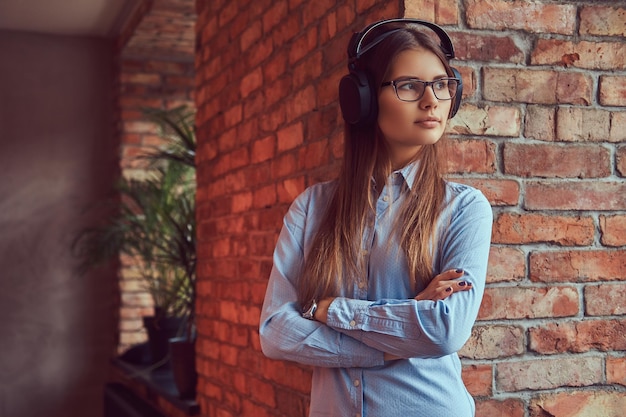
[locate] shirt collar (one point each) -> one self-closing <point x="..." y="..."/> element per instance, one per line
<point x="407" y="173"/>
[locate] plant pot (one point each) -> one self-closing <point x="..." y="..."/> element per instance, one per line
<point x="160" y="331"/>
<point x="183" y="365"/>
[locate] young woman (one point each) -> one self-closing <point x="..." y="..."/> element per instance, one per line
<point x="378" y="275"/>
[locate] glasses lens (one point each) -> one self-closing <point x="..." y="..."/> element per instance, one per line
<point x="445" y="89"/>
<point x="409" y="90"/>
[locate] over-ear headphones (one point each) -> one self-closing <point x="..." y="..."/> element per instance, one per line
<point x="357" y="96"/>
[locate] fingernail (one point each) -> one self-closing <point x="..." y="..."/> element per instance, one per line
<point x="449" y="289"/>
<point x="462" y="284"/>
<point x="458" y="271"/>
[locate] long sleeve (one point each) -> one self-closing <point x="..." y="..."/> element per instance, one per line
<point x="410" y="328"/>
<point x="284" y="333"/>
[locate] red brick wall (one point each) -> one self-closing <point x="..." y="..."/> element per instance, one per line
<point x="541" y="133"/>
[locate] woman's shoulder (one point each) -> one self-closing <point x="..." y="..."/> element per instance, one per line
<point x="315" y="193"/>
<point x="460" y="194"/>
<point x="312" y="198"/>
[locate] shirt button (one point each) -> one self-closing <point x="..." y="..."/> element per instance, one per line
<point x="386" y="198"/>
<point x="357" y="382"/>
<point x="352" y="323"/>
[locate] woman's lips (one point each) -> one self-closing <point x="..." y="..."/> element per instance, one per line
<point x="429" y="122"/>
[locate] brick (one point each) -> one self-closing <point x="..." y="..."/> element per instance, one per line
<point x="494" y="341"/>
<point x="579" y="404"/>
<point x="487" y="120"/>
<point x="233" y="116"/>
<point x="263" y="149"/>
<point x="583" y="54"/>
<point x="274" y="15"/>
<point x="521" y="15"/>
<point x="227" y="13"/>
<point x="536" y="86"/>
<point x="273" y="68"/>
<point x="605" y="300"/>
<point x="290" y="137"/>
<point x="536" y="374"/>
<point x="528" y="302"/>
<point x="471" y="156"/>
<point x="278" y="91"/>
<point x="603" y="20"/>
<point x="577" y="337"/>
<point x="287" y="374"/>
<point x="442" y="12"/>
<point x="259" y="53"/>
<point x="141" y="78"/>
<point x="574" y="124"/>
<point x="613" y="230"/>
<point x="314" y="154"/>
<point x="469" y="81"/>
<point x="284" y="165"/>
<point x="327" y="88"/>
<point x="475" y="47"/>
<point x="578" y="266"/>
<point x="501" y="408"/>
<point x="478" y="379"/>
<point x="613" y="89"/>
<point x="264" y="197"/>
<point x="617" y="131"/>
<point x="575" y="195"/>
<point x="303" y="45"/>
<point x="345" y="15"/>
<point x="328" y="27"/>
<point x="506" y="264"/>
<point x="251" y="35"/>
<point x="616" y="370"/>
<point x="286" y="31"/>
<point x="362" y="6"/>
<point x="499" y="192"/>
<point x="514" y="228"/>
<point x="241" y="202"/>
<point x="302" y="102"/>
<point x="251" y="82"/>
<point x="309" y="69"/>
<point x="620" y="160"/>
<point x="556" y="160"/>
<point x="253" y="105"/>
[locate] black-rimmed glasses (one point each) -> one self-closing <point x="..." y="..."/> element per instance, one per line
<point x="413" y="89"/>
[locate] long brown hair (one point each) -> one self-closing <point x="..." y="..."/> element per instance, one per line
<point x="335" y="261"/>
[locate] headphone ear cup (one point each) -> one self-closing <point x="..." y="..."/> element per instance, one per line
<point x="459" y="94"/>
<point x="356" y="99"/>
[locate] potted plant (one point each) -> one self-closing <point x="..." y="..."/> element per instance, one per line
<point x="152" y="222"/>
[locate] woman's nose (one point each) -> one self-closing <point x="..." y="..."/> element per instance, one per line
<point x="429" y="99"/>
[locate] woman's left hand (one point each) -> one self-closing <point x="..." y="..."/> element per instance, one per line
<point x="444" y="285"/>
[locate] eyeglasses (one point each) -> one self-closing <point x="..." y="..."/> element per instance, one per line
<point x="413" y="89"/>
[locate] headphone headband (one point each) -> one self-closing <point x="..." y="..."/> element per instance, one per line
<point x="354" y="46"/>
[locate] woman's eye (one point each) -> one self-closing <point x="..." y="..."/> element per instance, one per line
<point x="408" y="86"/>
<point x="441" y="85"/>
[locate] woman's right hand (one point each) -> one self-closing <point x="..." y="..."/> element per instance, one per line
<point x="444" y="285"/>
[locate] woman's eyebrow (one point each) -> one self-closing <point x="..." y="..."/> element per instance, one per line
<point x="413" y="77"/>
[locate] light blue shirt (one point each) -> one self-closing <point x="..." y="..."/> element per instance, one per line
<point x="350" y="376"/>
